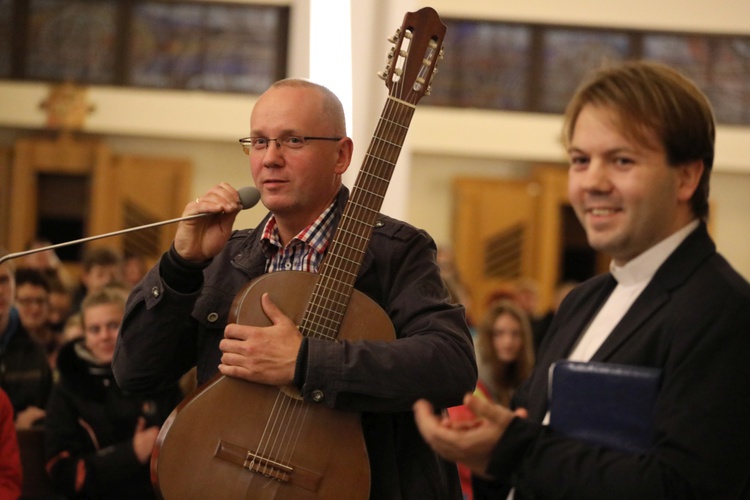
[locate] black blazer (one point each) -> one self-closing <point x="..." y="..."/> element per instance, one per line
<point x="693" y="322"/>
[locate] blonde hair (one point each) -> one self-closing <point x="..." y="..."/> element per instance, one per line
<point x="111" y="294"/>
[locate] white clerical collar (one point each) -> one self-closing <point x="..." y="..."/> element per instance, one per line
<point x="643" y="267"/>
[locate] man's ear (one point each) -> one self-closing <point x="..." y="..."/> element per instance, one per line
<point x="344" y="151"/>
<point x="689" y="177"/>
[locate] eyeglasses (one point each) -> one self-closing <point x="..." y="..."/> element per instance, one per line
<point x="290" y="141"/>
<point x="31" y="301"/>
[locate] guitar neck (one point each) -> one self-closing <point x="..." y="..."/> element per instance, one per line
<point x="347" y="250"/>
<point x="411" y="64"/>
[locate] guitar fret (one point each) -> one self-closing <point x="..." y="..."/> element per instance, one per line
<point x="386" y="156"/>
<point x="333" y="306"/>
<point x="382" y="178"/>
<point x="352" y="264"/>
<point x="351" y="247"/>
<point x="324" y="315"/>
<point x="346" y="262"/>
<point x="373" y="193"/>
<point x="320" y="323"/>
<point x="377" y="177"/>
<point x="339" y="280"/>
<point x="346" y="231"/>
<point x="386" y="148"/>
<point x="326" y="284"/>
<point x="390" y="143"/>
<point x="392" y="122"/>
<point x="321" y="318"/>
<point x="344" y="271"/>
<point x="361" y="222"/>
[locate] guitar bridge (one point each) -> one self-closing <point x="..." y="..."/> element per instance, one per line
<point x="255" y="462"/>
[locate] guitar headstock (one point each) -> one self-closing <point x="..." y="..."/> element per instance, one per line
<point x="412" y="61"/>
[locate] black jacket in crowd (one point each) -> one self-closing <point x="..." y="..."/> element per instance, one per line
<point x="90" y="426"/>
<point x="25" y="374"/>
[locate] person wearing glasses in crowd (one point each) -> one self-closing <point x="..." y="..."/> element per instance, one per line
<point x="298" y="152"/>
<point x="32" y="302"/>
<point x="640" y="141"/>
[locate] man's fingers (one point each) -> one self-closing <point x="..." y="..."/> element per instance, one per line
<point x="425" y="417"/>
<point x="521" y="412"/>
<point x="271" y="310"/>
<point x="423" y="411"/>
<point x="481" y="407"/>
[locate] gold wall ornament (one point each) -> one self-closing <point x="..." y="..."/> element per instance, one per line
<point x="67" y="107"/>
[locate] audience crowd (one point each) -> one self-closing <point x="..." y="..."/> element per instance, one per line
<point x="41" y="317"/>
<point x="43" y="314"/>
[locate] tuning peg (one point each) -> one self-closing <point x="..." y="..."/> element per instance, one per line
<point x="382" y="74"/>
<point x="428" y="90"/>
<point x="395" y="36"/>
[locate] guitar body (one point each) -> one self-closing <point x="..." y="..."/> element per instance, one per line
<point x="302" y="451"/>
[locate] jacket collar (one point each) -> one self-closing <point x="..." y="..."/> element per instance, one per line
<point x="675" y="271"/>
<point x="251" y="258"/>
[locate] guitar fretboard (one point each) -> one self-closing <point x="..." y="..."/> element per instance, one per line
<point x="338" y="272"/>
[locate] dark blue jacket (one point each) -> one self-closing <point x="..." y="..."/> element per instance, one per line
<point x="166" y="332"/>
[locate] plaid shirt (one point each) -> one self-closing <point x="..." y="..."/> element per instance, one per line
<point x="305" y="251"/>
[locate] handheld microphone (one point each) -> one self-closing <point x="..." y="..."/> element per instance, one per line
<point x="249" y="197"/>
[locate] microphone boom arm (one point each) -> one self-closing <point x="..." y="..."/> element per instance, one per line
<point x="99" y="236"/>
<point x="249" y="197"/>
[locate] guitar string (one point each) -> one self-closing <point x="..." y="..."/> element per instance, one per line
<point x="345" y="238"/>
<point x="286" y="441"/>
<point x="383" y="141"/>
<point x="324" y="299"/>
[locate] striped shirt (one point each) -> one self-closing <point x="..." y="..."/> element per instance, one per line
<point x="306" y="250"/>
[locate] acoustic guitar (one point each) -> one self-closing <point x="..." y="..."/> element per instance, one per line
<point x="233" y="439"/>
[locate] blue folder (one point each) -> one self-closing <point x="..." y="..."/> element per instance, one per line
<point x="605" y="404"/>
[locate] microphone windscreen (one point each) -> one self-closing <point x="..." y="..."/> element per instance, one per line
<point x="249" y="197"/>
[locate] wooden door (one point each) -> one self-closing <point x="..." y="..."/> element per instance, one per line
<point x="493" y="234"/>
<point x="58" y="177"/>
<point x="81" y="184"/>
<point x="149" y="190"/>
<point x="506" y="229"/>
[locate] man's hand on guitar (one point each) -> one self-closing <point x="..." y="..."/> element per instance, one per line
<point x="266" y="355"/>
